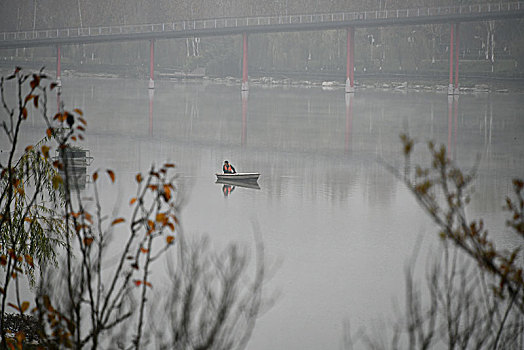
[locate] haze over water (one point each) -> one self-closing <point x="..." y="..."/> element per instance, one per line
<point x="339" y="224"/>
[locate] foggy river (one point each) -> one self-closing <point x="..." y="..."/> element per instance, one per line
<point x="334" y="220"/>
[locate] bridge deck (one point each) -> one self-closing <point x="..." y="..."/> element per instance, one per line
<point x="285" y="23"/>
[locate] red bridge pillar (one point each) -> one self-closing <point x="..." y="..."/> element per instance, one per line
<point x="457" y="53"/>
<point x="350" y="60"/>
<point x="152" y="64"/>
<point x="451" y="58"/>
<point x="245" y="85"/>
<point x="58" y="67"/>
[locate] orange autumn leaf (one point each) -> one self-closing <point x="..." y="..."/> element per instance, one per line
<point x="95" y="176"/>
<point x="29" y="98"/>
<point x="28" y="148"/>
<point x="88" y="217"/>
<point x="148" y="284"/>
<point x="169" y="165"/>
<point x="79" y="227"/>
<point x="79" y="111"/>
<point x="35" y="82"/>
<point x="144" y="250"/>
<point x="167" y="192"/>
<point x="45" y="151"/>
<point x="49" y="132"/>
<point x="58" y="165"/>
<point x="88" y="241"/>
<point x="150" y="224"/>
<point x="20" y="337"/>
<point x="24" y="113"/>
<point x="35" y="102"/>
<point x="111" y="175"/>
<point x="139" y="178"/>
<point x="24" y="306"/>
<point x="13" y="306"/>
<point x="160" y="217"/>
<point x="82" y="120"/>
<point x="132" y="201"/>
<point x="170" y="239"/>
<point x="117" y="221"/>
<point x="29" y="260"/>
<point x="171" y="226"/>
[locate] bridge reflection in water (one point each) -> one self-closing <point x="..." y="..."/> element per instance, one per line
<point x="245" y="95"/>
<point x="350" y="138"/>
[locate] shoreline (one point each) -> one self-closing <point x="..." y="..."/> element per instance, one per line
<point x="385" y="81"/>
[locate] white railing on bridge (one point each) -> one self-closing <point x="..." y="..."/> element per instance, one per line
<point x="221" y="23"/>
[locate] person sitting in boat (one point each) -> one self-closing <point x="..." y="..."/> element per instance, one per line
<point x="228" y="168"/>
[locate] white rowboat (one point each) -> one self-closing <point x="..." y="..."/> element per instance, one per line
<point x="238" y="176"/>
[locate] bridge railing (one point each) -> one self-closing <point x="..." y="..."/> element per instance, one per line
<point x="220" y="23"/>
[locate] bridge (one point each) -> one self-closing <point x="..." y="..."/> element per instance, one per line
<point x="266" y="24"/>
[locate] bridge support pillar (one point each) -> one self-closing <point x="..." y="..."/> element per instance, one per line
<point x="457" y="54"/>
<point x="245" y="85"/>
<point x="451" y="58"/>
<point x="58" y="68"/>
<point x="152" y="64"/>
<point x="350" y="60"/>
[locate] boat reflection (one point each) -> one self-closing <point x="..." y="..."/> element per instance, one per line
<point x="227" y="189"/>
<point x="230" y="185"/>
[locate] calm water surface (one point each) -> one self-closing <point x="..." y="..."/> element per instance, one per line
<point x="337" y="222"/>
